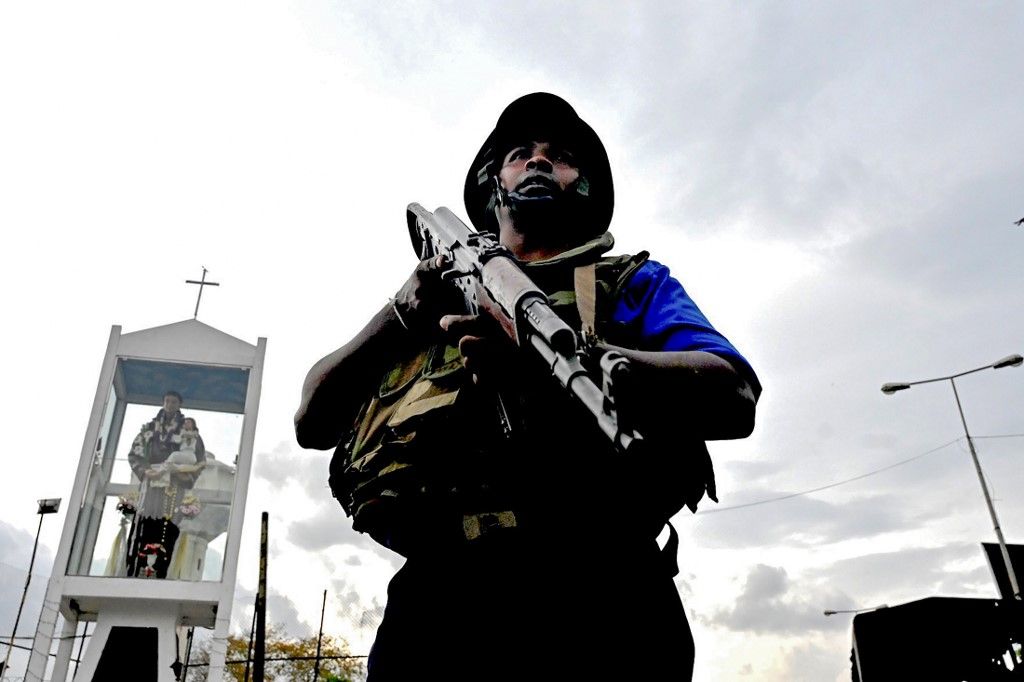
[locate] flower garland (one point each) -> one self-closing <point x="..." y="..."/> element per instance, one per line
<point x="164" y="429"/>
<point x="128" y="504"/>
<point x="190" y="506"/>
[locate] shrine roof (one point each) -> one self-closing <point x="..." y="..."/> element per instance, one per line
<point x="188" y="341"/>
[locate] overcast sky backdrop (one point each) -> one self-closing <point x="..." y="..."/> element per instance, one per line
<point x="835" y="185"/>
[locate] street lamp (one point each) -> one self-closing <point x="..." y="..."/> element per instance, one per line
<point x="832" y="612"/>
<point x="47" y="506"/>
<point x="1008" y="361"/>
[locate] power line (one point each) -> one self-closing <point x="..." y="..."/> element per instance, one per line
<point x="240" y="661"/>
<point x="855" y="478"/>
<point x="21" y="569"/>
<point x="830" y="485"/>
<point x="52" y="638"/>
<point x="28" y="648"/>
<point x="1005" y="435"/>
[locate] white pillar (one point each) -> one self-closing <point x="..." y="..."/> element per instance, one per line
<point x="165" y="624"/>
<point x="87" y="666"/>
<point x="43" y="638"/>
<point x="167" y="648"/>
<point x="64" y="650"/>
<point x="219" y="644"/>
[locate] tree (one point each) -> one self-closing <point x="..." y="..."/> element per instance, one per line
<point x="337" y="663"/>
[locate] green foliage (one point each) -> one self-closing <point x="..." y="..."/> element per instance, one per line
<point x="279" y="645"/>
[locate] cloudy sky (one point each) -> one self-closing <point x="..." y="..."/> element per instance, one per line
<point x="835" y="184"/>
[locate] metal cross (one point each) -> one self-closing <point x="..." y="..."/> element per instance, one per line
<point x="202" y="283"/>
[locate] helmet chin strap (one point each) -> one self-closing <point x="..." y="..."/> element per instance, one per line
<point x="499" y="192"/>
<point x="578" y="194"/>
<point x="569" y="211"/>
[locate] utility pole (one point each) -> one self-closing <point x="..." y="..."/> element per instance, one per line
<point x="260" y="649"/>
<point x="81" y="648"/>
<point x="319" y="638"/>
<point x="188" y="652"/>
<point x="252" y="632"/>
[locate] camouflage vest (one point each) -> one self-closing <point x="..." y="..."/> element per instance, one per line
<point x="430" y="446"/>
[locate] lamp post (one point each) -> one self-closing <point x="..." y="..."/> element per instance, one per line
<point x="1008" y="361"/>
<point x="47" y="506"/>
<point x="832" y="612"/>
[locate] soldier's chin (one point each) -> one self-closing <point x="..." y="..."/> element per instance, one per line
<point x="536" y="213"/>
<point x="533" y="192"/>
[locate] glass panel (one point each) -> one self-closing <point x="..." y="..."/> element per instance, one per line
<point x="160" y="491"/>
<point x="92" y="510"/>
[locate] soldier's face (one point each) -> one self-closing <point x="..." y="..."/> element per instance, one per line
<point x="538" y="169"/>
<point x="171" y="404"/>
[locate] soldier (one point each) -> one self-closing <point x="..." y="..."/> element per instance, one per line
<point x="530" y="545"/>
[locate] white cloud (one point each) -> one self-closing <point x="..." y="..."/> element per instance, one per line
<point x="770" y="602"/>
<point x="814" y="662"/>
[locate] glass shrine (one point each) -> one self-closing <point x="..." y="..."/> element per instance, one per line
<point x="150" y="541"/>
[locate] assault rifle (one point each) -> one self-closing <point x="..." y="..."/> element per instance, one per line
<point x="492" y="281"/>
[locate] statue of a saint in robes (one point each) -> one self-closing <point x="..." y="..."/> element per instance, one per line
<point x="167" y="457"/>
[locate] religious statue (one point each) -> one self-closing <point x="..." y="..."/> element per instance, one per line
<point x="167" y="457"/>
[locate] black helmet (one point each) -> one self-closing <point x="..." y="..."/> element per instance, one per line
<point x="544" y="117"/>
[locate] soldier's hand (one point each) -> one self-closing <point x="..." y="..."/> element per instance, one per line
<point x="487" y="352"/>
<point x="425" y="297"/>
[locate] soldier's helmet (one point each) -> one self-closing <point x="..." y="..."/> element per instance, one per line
<point x="541" y="116"/>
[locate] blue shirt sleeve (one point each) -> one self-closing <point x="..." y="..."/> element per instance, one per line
<point x="661" y="316"/>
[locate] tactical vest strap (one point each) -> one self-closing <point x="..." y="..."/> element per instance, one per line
<point x="586" y="299"/>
